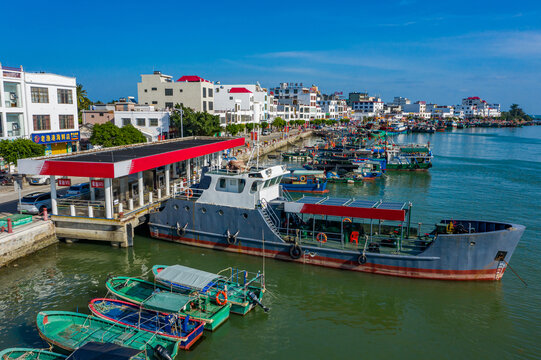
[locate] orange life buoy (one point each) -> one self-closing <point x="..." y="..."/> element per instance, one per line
<point x="346" y="220"/>
<point x="219" y="300"/>
<point x="322" y="238"/>
<point x="303" y="178"/>
<point x="189" y="193"/>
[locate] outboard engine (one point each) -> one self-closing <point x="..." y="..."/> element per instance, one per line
<point x="161" y="353"/>
<point x="256" y="300"/>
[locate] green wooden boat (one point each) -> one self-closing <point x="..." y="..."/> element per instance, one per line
<point x="29" y="354"/>
<point x="160" y="298"/>
<point x="67" y="331"/>
<point x="242" y="289"/>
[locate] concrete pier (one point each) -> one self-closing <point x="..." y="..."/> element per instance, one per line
<point x="26" y="240"/>
<point x="265" y="149"/>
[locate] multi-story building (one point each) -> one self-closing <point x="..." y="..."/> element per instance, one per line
<point x="440" y="111"/>
<point x="41" y="107"/>
<point x="302" y="100"/>
<point x="475" y="106"/>
<point x="400" y="101"/>
<point x="153" y="124"/>
<point x="417" y="109"/>
<point x="241" y="103"/>
<point x="363" y="105"/>
<point x="99" y="114"/>
<point x="160" y="91"/>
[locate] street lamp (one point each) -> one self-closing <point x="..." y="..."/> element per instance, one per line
<point x="181" y="125"/>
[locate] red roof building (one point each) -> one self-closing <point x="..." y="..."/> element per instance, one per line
<point x="239" y="90"/>
<point x="192" y="78"/>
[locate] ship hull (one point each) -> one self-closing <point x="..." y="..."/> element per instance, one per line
<point x="450" y="257"/>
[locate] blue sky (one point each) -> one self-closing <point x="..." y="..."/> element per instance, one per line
<point x="438" y="51"/>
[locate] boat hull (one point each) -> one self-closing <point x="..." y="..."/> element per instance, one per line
<point x="450" y="257"/>
<point x="29" y="354"/>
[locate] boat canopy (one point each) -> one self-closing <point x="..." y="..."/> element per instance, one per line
<point x="166" y="301"/>
<point x="352" y="208"/>
<point x="187" y="277"/>
<point x="103" y="351"/>
<point x="307" y="172"/>
<point x="415" y="149"/>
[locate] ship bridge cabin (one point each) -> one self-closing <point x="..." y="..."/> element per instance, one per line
<point x="240" y="188"/>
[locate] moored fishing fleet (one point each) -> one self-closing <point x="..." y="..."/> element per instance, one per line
<point x="152" y="319"/>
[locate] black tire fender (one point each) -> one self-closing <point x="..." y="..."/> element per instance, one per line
<point x="295" y="251"/>
<point x="362" y="259"/>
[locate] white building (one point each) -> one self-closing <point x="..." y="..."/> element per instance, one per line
<point x="417" y="109"/>
<point x="153" y="124"/>
<point x="302" y="100"/>
<point x="41" y="107"/>
<point x="440" y="111"/>
<point x="160" y="91"/>
<point x="366" y="107"/>
<point x="475" y="106"/>
<point x="241" y="103"/>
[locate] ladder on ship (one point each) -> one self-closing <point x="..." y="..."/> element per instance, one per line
<point x="270" y="216"/>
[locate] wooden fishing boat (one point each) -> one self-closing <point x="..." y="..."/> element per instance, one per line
<point x="179" y="328"/>
<point x="242" y="289"/>
<point x="152" y="296"/>
<point x="307" y="181"/>
<point x="29" y="354"/>
<point x="67" y="331"/>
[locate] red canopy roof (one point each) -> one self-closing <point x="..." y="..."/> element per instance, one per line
<point x="192" y="78"/>
<point x="239" y="90"/>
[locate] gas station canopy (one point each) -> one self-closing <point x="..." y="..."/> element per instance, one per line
<point x="125" y="160"/>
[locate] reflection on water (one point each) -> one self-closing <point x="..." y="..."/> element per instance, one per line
<point x="326" y="313"/>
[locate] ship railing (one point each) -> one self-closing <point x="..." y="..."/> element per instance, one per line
<point x="187" y="193"/>
<point x="285" y="194"/>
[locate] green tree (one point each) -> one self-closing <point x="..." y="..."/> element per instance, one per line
<point x="241" y="127"/>
<point x="233" y="129"/>
<point x="279" y="123"/>
<point x="264" y="125"/>
<point x="195" y="123"/>
<point x="109" y="134"/>
<point x="12" y="150"/>
<point x="83" y="102"/>
<point x="250" y="126"/>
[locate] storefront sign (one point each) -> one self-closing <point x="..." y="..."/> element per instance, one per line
<point x="64" y="182"/>
<point x="97" y="184"/>
<point x="56" y="137"/>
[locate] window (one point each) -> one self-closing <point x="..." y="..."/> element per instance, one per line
<point x="217" y="90"/>
<point x="180" y="90"/>
<point x="204" y="106"/>
<point x="231" y="98"/>
<point x="210" y="92"/>
<point x="65" y="96"/>
<point x="153" y="122"/>
<point x="39" y="95"/>
<point x="140" y="122"/>
<point x="204" y="92"/>
<point x="211" y="105"/>
<point x="42" y="122"/>
<point x="154" y="102"/>
<point x="169" y="105"/>
<point x="168" y="92"/>
<point x="126" y="121"/>
<point x="146" y="90"/>
<point x="66" y="121"/>
<point x="154" y="89"/>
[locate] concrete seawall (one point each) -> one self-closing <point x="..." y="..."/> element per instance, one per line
<point x="265" y="149"/>
<point x="26" y="240"/>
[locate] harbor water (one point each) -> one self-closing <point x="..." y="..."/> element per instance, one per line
<point x="320" y="313"/>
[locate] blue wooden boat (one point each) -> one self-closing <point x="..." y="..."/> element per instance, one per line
<point x="179" y="328"/>
<point x="307" y="181"/>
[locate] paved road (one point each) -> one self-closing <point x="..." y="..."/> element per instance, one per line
<point x="9" y="199"/>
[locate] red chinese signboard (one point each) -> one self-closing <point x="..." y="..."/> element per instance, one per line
<point x="64" y="182"/>
<point x="253" y="135"/>
<point x="97" y="184"/>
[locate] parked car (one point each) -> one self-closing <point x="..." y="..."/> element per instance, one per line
<point x="39" y="180"/>
<point x="79" y="190"/>
<point x="35" y="203"/>
<point x="266" y="132"/>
